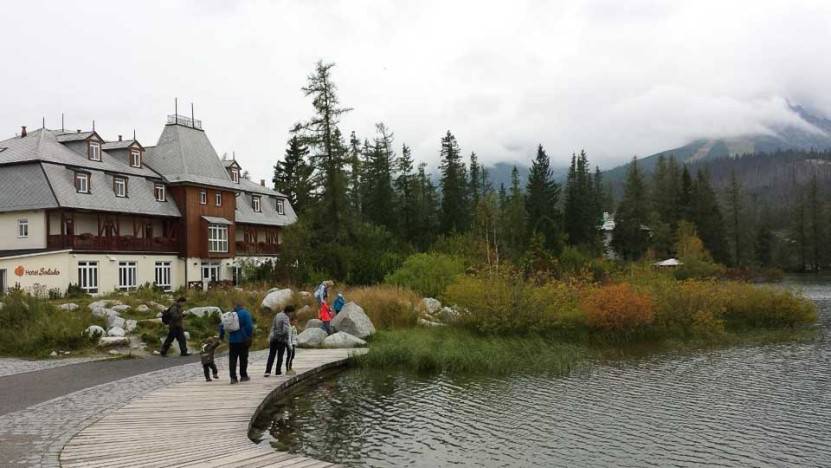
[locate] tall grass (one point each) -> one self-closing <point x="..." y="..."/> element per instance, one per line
<point x="460" y="351"/>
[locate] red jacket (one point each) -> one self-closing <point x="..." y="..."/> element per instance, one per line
<point x="325" y="312"/>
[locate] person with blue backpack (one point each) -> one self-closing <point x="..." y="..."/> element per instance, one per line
<point x="339" y="303"/>
<point x="240" y="328"/>
<point x="322" y="292"/>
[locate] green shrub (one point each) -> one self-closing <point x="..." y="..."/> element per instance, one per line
<point x="427" y="274"/>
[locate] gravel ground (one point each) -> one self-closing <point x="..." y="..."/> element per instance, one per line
<point x="11" y="366"/>
<point x="35" y="436"/>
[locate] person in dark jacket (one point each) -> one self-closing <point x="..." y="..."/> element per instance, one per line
<point x="238" y="344"/>
<point x="176" y="329"/>
<point x="206" y="354"/>
<point x="278" y="339"/>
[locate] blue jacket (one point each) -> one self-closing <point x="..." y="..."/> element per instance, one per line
<point x="246" y="328"/>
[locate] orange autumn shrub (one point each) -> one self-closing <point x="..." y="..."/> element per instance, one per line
<point x="617" y="307"/>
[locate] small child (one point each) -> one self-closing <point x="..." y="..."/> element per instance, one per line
<point x="292" y="344"/>
<point x="206" y="354"/>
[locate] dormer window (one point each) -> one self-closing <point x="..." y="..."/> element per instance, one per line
<point x="235" y="175"/>
<point x="135" y="158"/>
<point x="82" y="182"/>
<point x="281" y="206"/>
<point x="120" y="187"/>
<point x="255" y="202"/>
<point x="94" y="151"/>
<point x="159" y="192"/>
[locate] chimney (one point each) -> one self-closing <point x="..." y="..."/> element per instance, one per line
<point x="22" y="131"/>
<point x="262" y="182"/>
<point x="78" y="131"/>
<point x="119" y="137"/>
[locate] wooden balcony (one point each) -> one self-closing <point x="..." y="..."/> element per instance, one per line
<point x="112" y="243"/>
<point x="257" y="248"/>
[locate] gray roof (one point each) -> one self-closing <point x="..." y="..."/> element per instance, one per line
<point x="186" y="152"/>
<point x="111" y="145"/>
<point x="24" y="187"/>
<point x="216" y="220"/>
<point x="140" y="197"/>
<point x="229" y="162"/>
<point x="247" y="185"/>
<point x="43" y="145"/>
<point x="64" y="137"/>
<point x="268" y="204"/>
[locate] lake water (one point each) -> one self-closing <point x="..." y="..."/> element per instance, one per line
<point x="748" y="406"/>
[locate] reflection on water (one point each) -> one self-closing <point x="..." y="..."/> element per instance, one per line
<point x="761" y="405"/>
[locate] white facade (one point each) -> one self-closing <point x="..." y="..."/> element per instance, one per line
<point x="17" y="237"/>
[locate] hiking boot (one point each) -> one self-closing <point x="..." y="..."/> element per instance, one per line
<point x="185" y="354"/>
<point x="267" y="375"/>
<point x="216" y="376"/>
<point x="234" y="381"/>
<point x="244" y="379"/>
<point x="208" y="379"/>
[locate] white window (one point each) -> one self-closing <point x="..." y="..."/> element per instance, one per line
<point x="135" y="158"/>
<point x="217" y="238"/>
<point x="120" y="186"/>
<point x="163" y="275"/>
<point x="126" y="275"/>
<point x="95" y="151"/>
<point x="218" y="198"/>
<point x="88" y="276"/>
<point x="22" y="228"/>
<point x="235" y="174"/>
<point x="159" y="191"/>
<point x="210" y="271"/>
<point x="82" y="182"/>
<point x="255" y="202"/>
<point x="203" y="198"/>
<point x="281" y="206"/>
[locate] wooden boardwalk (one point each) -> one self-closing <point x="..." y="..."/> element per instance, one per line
<point x="196" y="423"/>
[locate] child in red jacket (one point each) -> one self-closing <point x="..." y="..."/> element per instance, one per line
<point x="326" y="316"/>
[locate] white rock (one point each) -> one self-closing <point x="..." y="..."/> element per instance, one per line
<point x="353" y="320"/>
<point x="429" y="323"/>
<point x="447" y="315"/>
<point x="203" y="311"/>
<point x="313" y="323"/>
<point x="432" y="305"/>
<point x="187" y="335"/>
<point x="115" y="321"/>
<point x="94" y="330"/>
<point x="116" y="331"/>
<point x="157" y="306"/>
<point x="130" y="325"/>
<point x="68" y="306"/>
<point x="54" y="354"/>
<point x="120" y="308"/>
<point x="114" y="352"/>
<point x="103" y="304"/>
<point x="343" y="340"/>
<point x="142" y="308"/>
<point x="277" y="300"/>
<point x="311" y="338"/>
<point x="108" y="341"/>
<point x="272" y="290"/>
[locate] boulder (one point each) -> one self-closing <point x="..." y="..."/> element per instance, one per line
<point x="53" y="354"/>
<point x="116" y="331"/>
<point x="94" y="330"/>
<point x="203" y="311"/>
<point x="429" y="323"/>
<point x="157" y="306"/>
<point x="432" y="305"/>
<point x="103" y="304"/>
<point x="109" y="341"/>
<point x="115" y="321"/>
<point x="354" y="321"/>
<point x="305" y="294"/>
<point x="120" y="308"/>
<point x="447" y="314"/>
<point x="143" y="308"/>
<point x="67" y="306"/>
<point x="343" y="340"/>
<point x="130" y="325"/>
<point x="278" y="299"/>
<point x="313" y="323"/>
<point x="311" y="338"/>
<point x="104" y="312"/>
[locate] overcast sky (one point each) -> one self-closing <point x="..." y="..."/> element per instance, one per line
<point x="616" y="78"/>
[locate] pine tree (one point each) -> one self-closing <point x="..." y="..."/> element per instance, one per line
<point x="685" y="196"/>
<point x="583" y="212"/>
<point x="405" y="190"/>
<point x="764" y="244"/>
<point x="629" y="239"/>
<point x="426" y="204"/>
<point x="514" y="218"/>
<point x="475" y="190"/>
<point x="542" y="201"/>
<point x="292" y="176"/>
<point x="708" y="220"/>
<point x="379" y="201"/>
<point x="455" y="210"/>
<point x="355" y="176"/>
<point x="735" y="202"/>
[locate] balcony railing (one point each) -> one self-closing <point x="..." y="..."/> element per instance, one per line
<point x="259" y="248"/>
<point x="112" y="243"/>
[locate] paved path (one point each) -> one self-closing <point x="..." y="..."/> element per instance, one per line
<point x="11" y="366"/>
<point x="19" y="391"/>
<point x="194" y="423"/>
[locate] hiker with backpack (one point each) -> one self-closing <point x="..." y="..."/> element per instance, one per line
<point x="240" y="328"/>
<point x="340" y="301"/>
<point x="322" y="291"/>
<point x="174" y="318"/>
<point x="325" y="315"/>
<point x="278" y="339"/>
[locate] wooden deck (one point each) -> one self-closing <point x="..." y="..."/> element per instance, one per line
<point x="196" y="423"/>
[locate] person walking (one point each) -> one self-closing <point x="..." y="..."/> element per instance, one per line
<point x="239" y="341"/>
<point x="174" y="318"/>
<point x="278" y="339"/>
<point x="292" y="348"/>
<point x="206" y="355"/>
<point x="325" y="316"/>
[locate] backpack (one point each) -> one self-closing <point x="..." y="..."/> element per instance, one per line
<point x="320" y="293"/>
<point x="230" y="321"/>
<point x="167" y="315"/>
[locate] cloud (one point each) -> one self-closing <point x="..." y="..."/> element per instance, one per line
<point x="615" y="78"/>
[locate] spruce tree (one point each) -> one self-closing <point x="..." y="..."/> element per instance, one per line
<point x="542" y="202"/>
<point x="475" y="190"/>
<point x="708" y="220"/>
<point x="292" y="176"/>
<point x="405" y="191"/>
<point x="514" y="218"/>
<point x="630" y="240"/>
<point x="426" y="209"/>
<point x="735" y="204"/>
<point x="455" y="209"/>
<point x="355" y="176"/>
<point x="379" y="201"/>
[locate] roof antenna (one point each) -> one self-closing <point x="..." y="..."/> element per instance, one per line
<point x="93" y="125"/>
<point x="176" y="110"/>
<point x="62" y="130"/>
<point x="234" y="153"/>
<point x="134" y="134"/>
<point x="192" y="117"/>
<point x="43" y="123"/>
